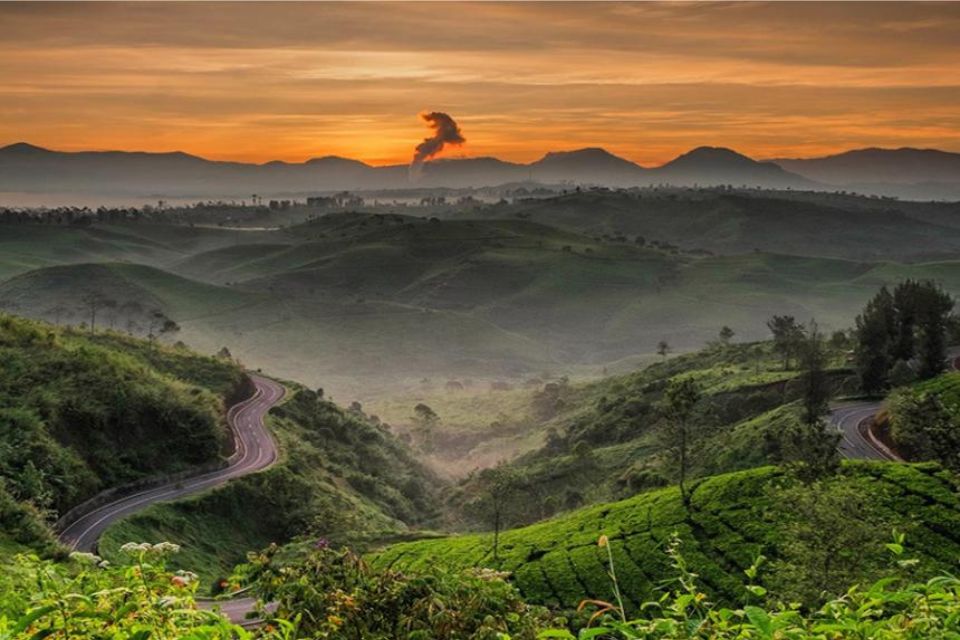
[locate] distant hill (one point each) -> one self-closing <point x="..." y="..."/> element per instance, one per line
<point x="587" y="165"/>
<point x="27" y="168"/>
<point x="358" y="302"/>
<point x="709" y="166"/>
<point x="892" y="171"/>
<point x="737" y="222"/>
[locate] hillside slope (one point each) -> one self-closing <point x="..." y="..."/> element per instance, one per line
<point x="83" y="413"/>
<point x="558" y="561"/>
<point x="341" y="475"/>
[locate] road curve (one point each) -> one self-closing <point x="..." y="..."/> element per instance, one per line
<point x="256" y="450"/>
<point x="851" y="420"/>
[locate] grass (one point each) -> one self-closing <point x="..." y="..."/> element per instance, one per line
<point x="557" y="562"/>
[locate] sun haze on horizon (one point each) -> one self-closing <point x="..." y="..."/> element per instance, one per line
<point x="647" y="81"/>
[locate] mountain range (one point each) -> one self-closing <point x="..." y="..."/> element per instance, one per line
<point x="907" y="173"/>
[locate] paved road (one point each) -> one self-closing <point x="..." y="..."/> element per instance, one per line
<point x="851" y="420"/>
<point x="256" y="450"/>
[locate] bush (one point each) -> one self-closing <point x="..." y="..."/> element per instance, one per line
<point x="889" y="609"/>
<point x="335" y="594"/>
<point x="87" y="598"/>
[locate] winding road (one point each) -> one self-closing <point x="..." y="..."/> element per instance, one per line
<point x="853" y="423"/>
<point x="255" y="450"/>
<point x="852" y="420"/>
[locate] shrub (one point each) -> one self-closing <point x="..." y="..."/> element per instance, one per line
<point x="335" y="594"/>
<point x="87" y="598"/>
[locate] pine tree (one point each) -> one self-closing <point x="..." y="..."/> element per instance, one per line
<point x="875" y="333"/>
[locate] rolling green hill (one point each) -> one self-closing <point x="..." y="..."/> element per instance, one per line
<point x="84" y="413"/>
<point x="573" y="444"/>
<point x="368" y="304"/>
<point x="341" y="475"/>
<point x="28" y="246"/>
<point x="558" y="562"/>
<point x="133" y="288"/>
<point x="808" y="224"/>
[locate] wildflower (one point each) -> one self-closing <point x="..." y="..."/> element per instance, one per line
<point x="166" y="547"/>
<point x="489" y="575"/>
<point x="85" y="558"/>
<point x="603" y="541"/>
<point x="135" y="548"/>
<point x="183" y="578"/>
<point x="321" y="543"/>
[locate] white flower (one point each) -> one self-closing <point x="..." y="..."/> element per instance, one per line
<point x="136" y="548"/>
<point x="189" y="576"/>
<point x="85" y="558"/>
<point x="166" y="547"/>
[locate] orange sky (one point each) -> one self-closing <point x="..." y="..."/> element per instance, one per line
<point x="257" y="82"/>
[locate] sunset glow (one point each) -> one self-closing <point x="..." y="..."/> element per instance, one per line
<point x="258" y="82"/>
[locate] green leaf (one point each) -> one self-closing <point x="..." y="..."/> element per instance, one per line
<point x="760" y="620"/>
<point x="32" y="617"/>
<point x="757" y="590"/>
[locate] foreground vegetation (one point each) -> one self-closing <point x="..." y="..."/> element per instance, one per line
<point x="333" y="594"/>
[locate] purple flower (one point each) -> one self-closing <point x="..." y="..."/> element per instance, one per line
<point x="321" y="543"/>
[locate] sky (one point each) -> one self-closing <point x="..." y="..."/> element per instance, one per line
<point x="647" y="81"/>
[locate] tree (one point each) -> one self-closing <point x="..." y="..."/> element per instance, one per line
<point x="906" y="298"/>
<point x="902" y="374"/>
<point x="677" y="407"/>
<point x="787" y="336"/>
<point x="57" y="312"/>
<point x="909" y="325"/>
<point x="497" y="489"/>
<point x="93" y="302"/>
<point x="726" y="335"/>
<point x="808" y="445"/>
<point x="160" y="325"/>
<point x="839" y="339"/>
<point x="663" y="348"/>
<point x="876" y="328"/>
<point x="423" y="415"/>
<point x="933" y="313"/>
<point x="424" y="420"/>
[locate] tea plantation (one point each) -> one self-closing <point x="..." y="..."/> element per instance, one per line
<point x="558" y="563"/>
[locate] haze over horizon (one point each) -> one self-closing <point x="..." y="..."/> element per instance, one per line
<point x="256" y="84"/>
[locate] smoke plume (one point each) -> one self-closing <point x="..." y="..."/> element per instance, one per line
<point x="445" y="131"/>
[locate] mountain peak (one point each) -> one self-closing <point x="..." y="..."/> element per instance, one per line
<point x="586" y="153"/>
<point x="334" y="160"/>
<point x="23" y="148"/>
<point x="713" y="155"/>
